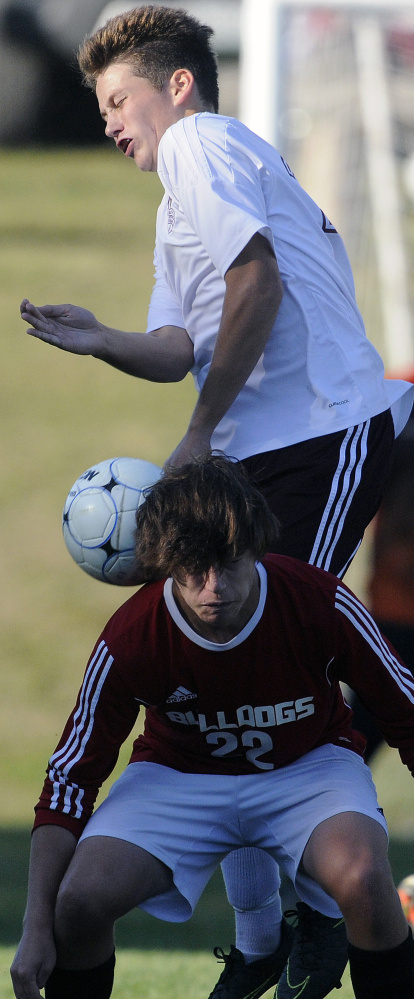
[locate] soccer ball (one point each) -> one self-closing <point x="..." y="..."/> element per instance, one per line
<point x="99" y="517"/>
<point x="406" y="893"/>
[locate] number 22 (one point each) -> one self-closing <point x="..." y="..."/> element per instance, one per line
<point x="260" y="743"/>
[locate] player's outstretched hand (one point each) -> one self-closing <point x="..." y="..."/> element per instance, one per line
<point x="65" y="326"/>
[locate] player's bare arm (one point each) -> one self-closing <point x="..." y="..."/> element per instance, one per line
<point x="251" y="303"/>
<point x="52" y="849"/>
<point x="165" y="355"/>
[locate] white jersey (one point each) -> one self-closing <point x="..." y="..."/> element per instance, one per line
<point x="319" y="373"/>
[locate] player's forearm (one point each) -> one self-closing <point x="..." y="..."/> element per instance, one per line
<point x="52" y="849"/>
<point x="253" y="296"/>
<point x="163" y="356"/>
<point x="166" y="355"/>
<point x="51" y="852"/>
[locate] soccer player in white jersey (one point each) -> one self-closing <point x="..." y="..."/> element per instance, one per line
<point x="237" y="658"/>
<point x="254" y="294"/>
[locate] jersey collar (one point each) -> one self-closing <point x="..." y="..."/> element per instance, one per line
<point x="183" y="625"/>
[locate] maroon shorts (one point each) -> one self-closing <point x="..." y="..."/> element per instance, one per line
<point x="325" y="491"/>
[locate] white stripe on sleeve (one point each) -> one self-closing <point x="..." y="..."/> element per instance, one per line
<point x="361" y="619"/>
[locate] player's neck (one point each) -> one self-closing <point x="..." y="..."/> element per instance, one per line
<point x="220" y="632"/>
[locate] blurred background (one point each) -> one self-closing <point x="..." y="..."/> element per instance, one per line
<point x="43" y="100"/>
<point x="333" y="88"/>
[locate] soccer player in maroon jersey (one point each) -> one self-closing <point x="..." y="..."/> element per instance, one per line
<point x="236" y="657"/>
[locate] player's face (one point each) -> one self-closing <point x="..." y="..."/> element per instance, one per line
<point x="136" y="114"/>
<point x="218" y="604"/>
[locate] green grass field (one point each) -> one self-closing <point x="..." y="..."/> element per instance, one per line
<point x="75" y="227"/>
<point x="145" y="976"/>
<point x="78" y="226"/>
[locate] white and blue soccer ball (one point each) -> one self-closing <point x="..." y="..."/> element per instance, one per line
<point x="99" y="517"/>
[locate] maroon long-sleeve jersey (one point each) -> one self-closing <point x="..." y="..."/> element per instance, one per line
<point x="257" y="703"/>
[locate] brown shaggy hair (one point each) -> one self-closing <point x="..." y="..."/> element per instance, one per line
<point x="155" y="41"/>
<point x="205" y="514"/>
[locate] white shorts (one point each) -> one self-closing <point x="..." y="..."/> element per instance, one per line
<point x="191" y="821"/>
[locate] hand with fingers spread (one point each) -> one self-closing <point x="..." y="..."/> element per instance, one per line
<point x="68" y="327"/>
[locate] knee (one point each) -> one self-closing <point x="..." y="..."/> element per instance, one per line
<point x="347" y="856"/>
<point x="78" y="911"/>
<point x="361" y="884"/>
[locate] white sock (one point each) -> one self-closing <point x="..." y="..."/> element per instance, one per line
<point x="252" y="883"/>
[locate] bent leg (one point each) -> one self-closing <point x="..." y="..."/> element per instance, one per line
<point x="106" y="878"/>
<point x="347" y="856"/>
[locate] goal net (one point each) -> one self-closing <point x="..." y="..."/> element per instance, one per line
<point x="331" y="85"/>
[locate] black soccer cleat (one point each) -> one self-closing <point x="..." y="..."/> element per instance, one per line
<point x="239" y="980"/>
<point x="318" y="957"/>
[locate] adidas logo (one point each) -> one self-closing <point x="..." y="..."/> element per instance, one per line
<point x="181" y="694"/>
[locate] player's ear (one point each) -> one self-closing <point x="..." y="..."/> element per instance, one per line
<point x="182" y="85"/>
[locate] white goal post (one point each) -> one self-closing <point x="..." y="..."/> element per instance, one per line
<point x="330" y="83"/>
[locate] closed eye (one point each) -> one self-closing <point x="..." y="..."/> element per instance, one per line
<point x="115" y="105"/>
